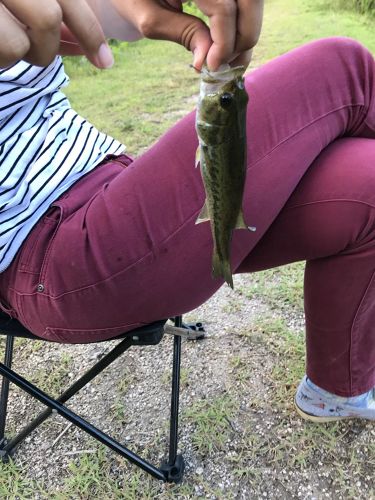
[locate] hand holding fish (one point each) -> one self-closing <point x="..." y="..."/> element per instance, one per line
<point x="234" y="27"/>
<point x="31" y="29"/>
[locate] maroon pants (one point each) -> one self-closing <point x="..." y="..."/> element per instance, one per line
<point x="121" y="248"/>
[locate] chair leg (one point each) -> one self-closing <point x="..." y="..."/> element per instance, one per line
<point x="171" y="471"/>
<point x="5" y="389"/>
<point x="78" y="421"/>
<point x="174" y="468"/>
<point x="11" y="444"/>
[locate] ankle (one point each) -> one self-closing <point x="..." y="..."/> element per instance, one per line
<point x="329" y="395"/>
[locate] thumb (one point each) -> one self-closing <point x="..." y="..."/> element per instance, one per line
<point x="185" y="29"/>
<point x="164" y="20"/>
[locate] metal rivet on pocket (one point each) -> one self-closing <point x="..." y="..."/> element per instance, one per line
<point x="40" y="287"/>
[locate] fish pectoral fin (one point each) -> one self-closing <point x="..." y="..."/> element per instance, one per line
<point x="203" y="214"/>
<point x="198" y="156"/>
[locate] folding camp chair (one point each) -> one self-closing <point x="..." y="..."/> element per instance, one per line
<point x="172" y="469"/>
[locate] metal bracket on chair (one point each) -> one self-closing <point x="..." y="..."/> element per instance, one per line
<point x="4" y="454"/>
<point x="174" y="472"/>
<point x="189" y="332"/>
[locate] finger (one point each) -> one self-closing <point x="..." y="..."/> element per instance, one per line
<point x="83" y="24"/>
<point x="249" y="24"/>
<point x="223" y="19"/>
<point x="165" y="23"/>
<point x="14" y="43"/>
<point x="41" y="21"/>
<point x="190" y="32"/>
<point x="242" y="59"/>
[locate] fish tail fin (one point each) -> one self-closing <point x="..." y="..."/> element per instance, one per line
<point x="203" y="214"/>
<point x="221" y="269"/>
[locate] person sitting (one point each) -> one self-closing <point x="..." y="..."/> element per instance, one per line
<point x="91" y="241"/>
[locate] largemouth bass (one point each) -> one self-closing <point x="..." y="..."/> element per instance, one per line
<point x="221" y="129"/>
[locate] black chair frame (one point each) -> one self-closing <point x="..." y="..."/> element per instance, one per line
<point x="169" y="471"/>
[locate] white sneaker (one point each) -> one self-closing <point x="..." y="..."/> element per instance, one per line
<point x="318" y="405"/>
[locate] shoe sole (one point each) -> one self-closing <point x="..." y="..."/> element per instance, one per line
<point x="314" y="418"/>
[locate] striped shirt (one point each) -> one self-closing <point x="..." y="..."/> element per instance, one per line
<point x="45" y="147"/>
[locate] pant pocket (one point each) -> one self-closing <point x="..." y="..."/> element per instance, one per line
<point x="38" y="244"/>
<point x="7" y="309"/>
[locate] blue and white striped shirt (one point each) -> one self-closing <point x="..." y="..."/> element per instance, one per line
<point x="45" y="147"/>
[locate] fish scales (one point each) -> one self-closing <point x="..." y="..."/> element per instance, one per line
<point x="221" y="129"/>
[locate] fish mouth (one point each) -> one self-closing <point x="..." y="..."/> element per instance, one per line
<point x="222" y="75"/>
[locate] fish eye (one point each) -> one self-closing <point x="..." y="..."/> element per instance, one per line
<point x="240" y="84"/>
<point x="226" y="100"/>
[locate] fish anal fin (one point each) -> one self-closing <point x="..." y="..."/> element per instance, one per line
<point x="221" y="269"/>
<point x="203" y="215"/>
<point x="198" y="156"/>
<point x="240" y="223"/>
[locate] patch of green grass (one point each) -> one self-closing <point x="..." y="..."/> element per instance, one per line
<point x="166" y="378"/>
<point x="14" y="483"/>
<point x="314" y="449"/>
<point x="281" y="287"/>
<point x="88" y="477"/>
<point x="118" y="410"/>
<point x="288" y="351"/>
<point x="212" y="423"/>
<point x="104" y="475"/>
<point x="241" y="372"/>
<point x="53" y="379"/>
<point x="363" y="6"/>
<point x="289" y="23"/>
<point x="128" y="378"/>
<point x="138" y="99"/>
<point x="231" y="306"/>
<point x="330" y="450"/>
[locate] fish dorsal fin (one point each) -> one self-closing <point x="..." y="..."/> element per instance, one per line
<point x="203" y="215"/>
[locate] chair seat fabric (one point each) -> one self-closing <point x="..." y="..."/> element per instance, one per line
<point x="11" y="326"/>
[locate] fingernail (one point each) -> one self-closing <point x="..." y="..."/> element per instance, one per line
<point x="105" y="56"/>
<point x="197" y="60"/>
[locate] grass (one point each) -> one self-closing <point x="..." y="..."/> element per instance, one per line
<point x="126" y="102"/>
<point x="149" y="88"/>
<point x="288" y="23"/>
<point x="54" y="378"/>
<point x="15" y="485"/>
<point x="211" y="420"/>
<point x="282" y="287"/>
<point x="363" y="6"/>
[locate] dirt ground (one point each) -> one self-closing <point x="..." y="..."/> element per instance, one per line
<point x="239" y="433"/>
